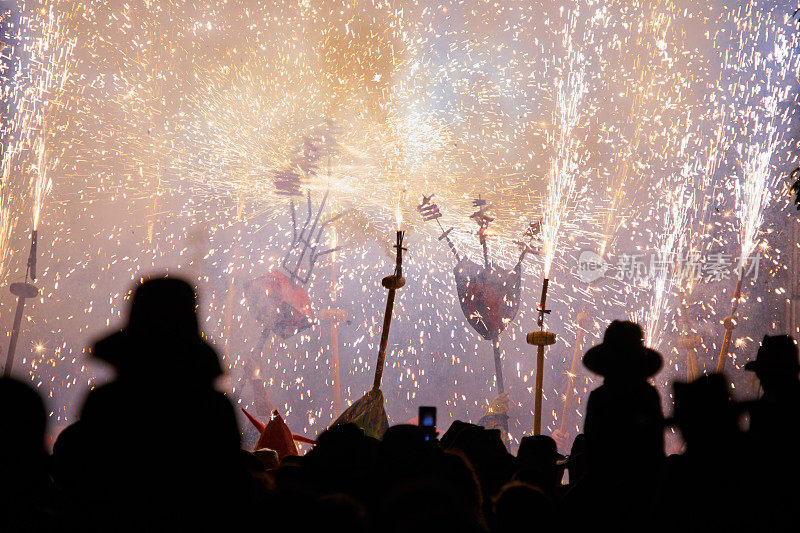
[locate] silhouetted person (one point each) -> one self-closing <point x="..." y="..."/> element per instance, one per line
<point x="342" y="460"/>
<point x="774" y="417"/>
<point x="268" y="458"/>
<point x="27" y="500"/>
<point x="707" y="418"/>
<point x="425" y="503"/>
<point x="624" y="432"/>
<point x="340" y="512"/>
<point x="404" y="452"/>
<point x="148" y="466"/>
<point x="523" y="507"/>
<point x="448" y="438"/>
<point x="454" y="468"/>
<point x="540" y="464"/>
<point x="486" y="454"/>
<point x="775" y="429"/>
<point x="712" y="470"/>
<point x="624" y="422"/>
<point x="576" y="466"/>
<point x="69" y="459"/>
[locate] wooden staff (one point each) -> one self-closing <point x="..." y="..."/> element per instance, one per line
<point x="689" y="342"/>
<point x="582" y="323"/>
<point x="498" y="374"/>
<point x="22" y="291"/>
<point x="334" y="317"/>
<point x="540" y="339"/>
<point x="730" y="323"/>
<point x="392" y="282"/>
<point x="498" y="364"/>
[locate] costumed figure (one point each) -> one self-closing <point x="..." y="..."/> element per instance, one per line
<point x="489" y="295"/>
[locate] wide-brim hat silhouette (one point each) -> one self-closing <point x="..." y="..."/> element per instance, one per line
<point x="540" y="448"/>
<point x="706" y="399"/>
<point x="777" y="353"/>
<point x="623" y="353"/>
<point x="162" y="334"/>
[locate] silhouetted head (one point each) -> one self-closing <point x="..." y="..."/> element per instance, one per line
<point x="455" y="468"/>
<point x="341" y="512"/>
<point x="520" y="505"/>
<point x="162" y="335"/>
<point x="268" y="458"/>
<point x="22" y="424"/>
<point x="485" y="451"/>
<point x="622" y="354"/>
<point x="577" y="459"/>
<point x="449" y="436"/>
<point x="539" y="462"/>
<point x="776" y="362"/>
<point x="404" y="443"/>
<point x="341" y="447"/>
<point x="539" y="451"/>
<point x="704" y="411"/>
<point x="425" y="504"/>
<point x="480" y="441"/>
<point x="69" y="456"/>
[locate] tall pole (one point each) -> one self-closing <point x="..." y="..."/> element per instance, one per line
<point x="537" y="401"/>
<point x="540" y="339"/>
<point x="392" y="282"/>
<point x="392" y="285"/>
<point x="690" y="342"/>
<point x="730" y="323"/>
<point x="687" y="340"/>
<point x="335" y="376"/>
<point x="22" y="291"/>
<point x="12" y="343"/>
<point x="334" y="317"/>
<point x="582" y="323"/>
<point x="498" y="365"/>
<point x="498" y="360"/>
<point x="498" y="373"/>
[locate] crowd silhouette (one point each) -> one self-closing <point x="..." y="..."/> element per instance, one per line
<point x="118" y="468"/>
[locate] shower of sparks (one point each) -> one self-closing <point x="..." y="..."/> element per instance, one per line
<point x="51" y="59"/>
<point x="149" y="136"/>
<point x="755" y="188"/>
<point x="38" y="74"/>
<point x="764" y="68"/>
<point x="650" y="77"/>
<point x="562" y="183"/>
<point x="667" y="254"/>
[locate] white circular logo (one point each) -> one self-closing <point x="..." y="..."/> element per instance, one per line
<point x="591" y="266"/>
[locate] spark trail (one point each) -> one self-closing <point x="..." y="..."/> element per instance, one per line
<point x="562" y="179"/>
